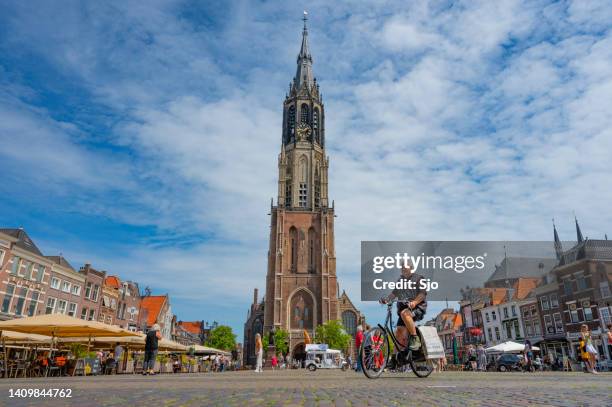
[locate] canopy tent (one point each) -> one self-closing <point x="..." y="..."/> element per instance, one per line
<point x="509" y="347"/>
<point x="205" y="350"/>
<point x="62" y="326"/>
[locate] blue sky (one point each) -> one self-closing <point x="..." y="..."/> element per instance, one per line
<point x="142" y="136"/>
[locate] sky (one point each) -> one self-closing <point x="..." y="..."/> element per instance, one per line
<point x="142" y="137"/>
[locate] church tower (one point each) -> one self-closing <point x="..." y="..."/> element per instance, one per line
<point x="301" y="286"/>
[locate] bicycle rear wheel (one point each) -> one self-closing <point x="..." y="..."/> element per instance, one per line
<point x="421" y="368"/>
<point x="374" y="352"/>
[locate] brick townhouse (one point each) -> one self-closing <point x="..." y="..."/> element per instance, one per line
<point x="127" y="295"/>
<point x="65" y="293"/>
<point x="583" y="276"/>
<point x="92" y="292"/>
<point x="24" y="275"/>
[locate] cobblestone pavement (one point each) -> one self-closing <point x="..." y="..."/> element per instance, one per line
<point x="322" y="388"/>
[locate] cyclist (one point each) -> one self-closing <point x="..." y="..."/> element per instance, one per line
<point x="411" y="307"/>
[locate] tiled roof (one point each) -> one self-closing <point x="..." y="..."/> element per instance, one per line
<point x="23" y="240"/>
<point x="458" y="321"/>
<point x="498" y="295"/>
<point x="61" y="261"/>
<point x="113" y="281"/>
<point x="153" y="304"/>
<point x="193" y="327"/>
<point x="517" y="267"/>
<point x="524" y="286"/>
<point x="588" y="249"/>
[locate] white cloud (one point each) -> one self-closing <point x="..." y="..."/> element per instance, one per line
<point x="472" y="121"/>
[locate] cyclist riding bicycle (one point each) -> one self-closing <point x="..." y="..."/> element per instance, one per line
<point x="411" y="307"/>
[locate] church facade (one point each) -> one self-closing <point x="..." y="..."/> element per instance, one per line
<point x="301" y="283"/>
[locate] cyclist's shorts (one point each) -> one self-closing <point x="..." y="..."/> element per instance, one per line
<point x="417" y="313"/>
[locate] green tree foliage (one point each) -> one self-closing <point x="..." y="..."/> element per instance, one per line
<point x="281" y="341"/>
<point x="333" y="334"/>
<point x="221" y="337"/>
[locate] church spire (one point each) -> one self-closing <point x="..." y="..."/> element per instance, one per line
<point x="558" y="246"/>
<point x="579" y="237"/>
<point x="304" y="74"/>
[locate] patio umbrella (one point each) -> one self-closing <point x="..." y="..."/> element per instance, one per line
<point x="205" y="350"/>
<point x="62" y="326"/>
<point x="21" y="338"/>
<point x="134" y="342"/>
<point x="509" y="347"/>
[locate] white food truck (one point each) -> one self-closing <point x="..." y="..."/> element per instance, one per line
<point x="319" y="356"/>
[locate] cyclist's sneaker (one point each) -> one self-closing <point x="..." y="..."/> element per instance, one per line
<point x="415" y="343"/>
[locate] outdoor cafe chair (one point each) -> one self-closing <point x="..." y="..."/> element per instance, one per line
<point x="18" y="366"/>
<point x="52" y="368"/>
<point x="109" y="366"/>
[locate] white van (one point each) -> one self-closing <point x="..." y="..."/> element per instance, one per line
<point x="319" y="356"/>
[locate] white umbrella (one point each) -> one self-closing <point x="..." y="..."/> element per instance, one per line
<point x="509" y="347"/>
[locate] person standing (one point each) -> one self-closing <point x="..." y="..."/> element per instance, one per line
<point x="528" y="354"/>
<point x="151" y="345"/>
<point x="259" y="353"/>
<point x="589" y="353"/>
<point x="609" y="336"/>
<point x="358" y="342"/>
<point x="274" y="361"/>
<point x="482" y="358"/>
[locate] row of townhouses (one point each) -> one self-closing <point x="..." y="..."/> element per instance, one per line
<point x="543" y="300"/>
<point x="32" y="283"/>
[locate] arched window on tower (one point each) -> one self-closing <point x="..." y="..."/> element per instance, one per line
<point x="317" y="187"/>
<point x="315" y="124"/>
<point x="304" y="113"/>
<point x="312" y="250"/>
<point x="293" y="248"/>
<point x="291" y="123"/>
<point x="303" y="173"/>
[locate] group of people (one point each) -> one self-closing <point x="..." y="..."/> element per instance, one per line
<point x="476" y="358"/>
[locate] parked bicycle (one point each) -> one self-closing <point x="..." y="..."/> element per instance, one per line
<point x="375" y="351"/>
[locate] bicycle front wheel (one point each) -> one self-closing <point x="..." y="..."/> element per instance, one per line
<point x="374" y="352"/>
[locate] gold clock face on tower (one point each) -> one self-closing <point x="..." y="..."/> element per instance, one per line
<point x="303" y="131"/>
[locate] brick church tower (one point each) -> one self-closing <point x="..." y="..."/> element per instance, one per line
<point x="301" y="286"/>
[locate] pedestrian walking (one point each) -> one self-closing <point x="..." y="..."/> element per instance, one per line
<point x="358" y="342"/>
<point x="151" y="345"/>
<point x="259" y="353"/>
<point x="274" y="362"/>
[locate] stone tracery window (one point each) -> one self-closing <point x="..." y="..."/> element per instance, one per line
<point x="301" y="311"/>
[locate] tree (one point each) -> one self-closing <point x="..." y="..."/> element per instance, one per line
<point x="281" y="341"/>
<point x="333" y="334"/>
<point x="221" y="337"/>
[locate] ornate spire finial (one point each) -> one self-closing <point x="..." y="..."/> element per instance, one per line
<point x="305" y="18"/>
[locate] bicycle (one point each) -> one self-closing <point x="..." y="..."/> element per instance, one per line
<point x="375" y="351"/>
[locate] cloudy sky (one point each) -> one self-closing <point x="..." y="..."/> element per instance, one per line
<point x="143" y="136"/>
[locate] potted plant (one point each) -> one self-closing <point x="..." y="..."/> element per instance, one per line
<point x="162" y="359"/>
